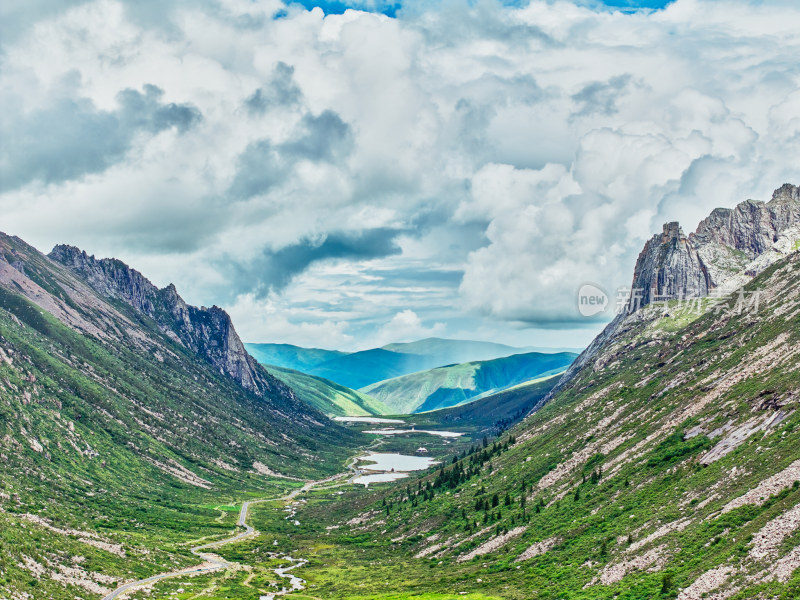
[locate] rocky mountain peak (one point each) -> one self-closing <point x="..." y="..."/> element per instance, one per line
<point x="727" y="243"/>
<point x="729" y="248"/>
<point x="672" y="232"/>
<point x="209" y="332"/>
<point x="786" y="193"/>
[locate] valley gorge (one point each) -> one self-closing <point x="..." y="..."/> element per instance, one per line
<point x="674" y="429"/>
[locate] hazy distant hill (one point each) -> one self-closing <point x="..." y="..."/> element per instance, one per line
<point x="368" y="366"/>
<point x="447" y="352"/>
<point x="358" y="369"/>
<point x="451" y="385"/>
<point x="291" y="357"/>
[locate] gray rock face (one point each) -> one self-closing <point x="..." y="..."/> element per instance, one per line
<point x="752" y="227"/>
<point x="208" y="332"/>
<point x="668" y="267"/>
<point x="674" y="266"/>
<point x="730" y="247"/>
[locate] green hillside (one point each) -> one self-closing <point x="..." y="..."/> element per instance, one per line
<point x="667" y="467"/>
<point x="452" y="385"/>
<point x="288" y="356"/>
<point x="118" y="441"/>
<point x="327" y="396"/>
<point x="494" y="413"/>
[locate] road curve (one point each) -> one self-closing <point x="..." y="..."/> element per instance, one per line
<point x="215" y="562"/>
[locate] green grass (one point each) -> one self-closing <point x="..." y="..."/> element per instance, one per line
<point x="452" y="385"/>
<point x="327" y="396"/>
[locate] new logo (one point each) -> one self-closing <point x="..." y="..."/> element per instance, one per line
<point x="592" y="300"/>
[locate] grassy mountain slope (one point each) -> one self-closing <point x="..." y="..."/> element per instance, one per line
<point x="667" y="467"/>
<point x="496" y="412"/>
<point x="117" y="441"/>
<point x="327" y="396"/>
<point x="451" y="385"/>
<point x="288" y="356"/>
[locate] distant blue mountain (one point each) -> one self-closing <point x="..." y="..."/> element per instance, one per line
<point x="359" y="369"/>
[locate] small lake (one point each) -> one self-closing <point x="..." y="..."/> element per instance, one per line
<point x="390" y="467"/>
<point x="445" y="434"/>
<point x="375" y="420"/>
<point x="365" y="480"/>
<point x="395" y="462"/>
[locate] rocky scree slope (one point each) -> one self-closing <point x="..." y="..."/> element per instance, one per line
<point x="666" y="467"/>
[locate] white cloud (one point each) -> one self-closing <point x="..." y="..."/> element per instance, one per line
<point x="259" y="321"/>
<point x="532" y="148"/>
<point x="406" y="326"/>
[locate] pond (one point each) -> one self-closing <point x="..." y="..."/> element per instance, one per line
<point x="445" y="434"/>
<point x="383" y="467"/>
<point x="366" y="420"/>
<point x="365" y="480"/>
<point x="395" y="462"/>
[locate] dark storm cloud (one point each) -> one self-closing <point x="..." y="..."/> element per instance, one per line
<point x="273" y="270"/>
<point x="600" y="97"/>
<point x="264" y="165"/>
<point x="281" y="91"/>
<point x="71" y="138"/>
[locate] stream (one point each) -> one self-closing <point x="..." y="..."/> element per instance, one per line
<point x="379" y="467"/>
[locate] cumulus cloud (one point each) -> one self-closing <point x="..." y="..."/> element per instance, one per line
<point x="265" y="165"/>
<point x="282" y="90"/>
<point x="406" y="326"/>
<point x="601" y="96"/>
<point x="72" y="138"/>
<point x="470" y="163"/>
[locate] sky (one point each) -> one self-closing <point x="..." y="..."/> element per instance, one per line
<point x="344" y="175"/>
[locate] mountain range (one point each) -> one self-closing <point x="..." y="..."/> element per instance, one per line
<point x="125" y="409"/>
<point x="452" y="385"/>
<point x="663" y="464"/>
<point x="359" y="369"/>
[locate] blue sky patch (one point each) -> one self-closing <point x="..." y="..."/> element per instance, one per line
<point x="390" y="8"/>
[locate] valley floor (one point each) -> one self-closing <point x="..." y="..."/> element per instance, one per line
<point x="259" y="563"/>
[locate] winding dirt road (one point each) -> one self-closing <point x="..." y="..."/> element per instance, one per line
<point x="212" y="562"/>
